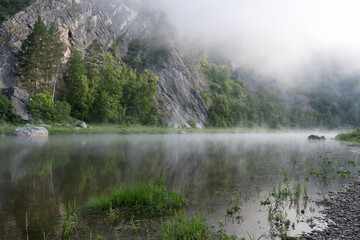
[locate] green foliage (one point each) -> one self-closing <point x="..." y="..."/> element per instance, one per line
<point x="10" y="7"/>
<point x="138" y="99"/>
<point x="70" y="218"/>
<point x="77" y="85"/>
<point x="6" y="114"/>
<point x="336" y="108"/>
<point x="182" y="227"/>
<point x="192" y="123"/>
<point x="135" y="55"/>
<point x="39" y="57"/>
<point x="152" y="198"/>
<point x="350" y="137"/>
<point x="230" y="104"/>
<point x="42" y="107"/>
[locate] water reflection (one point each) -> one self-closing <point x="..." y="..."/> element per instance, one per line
<point x="216" y="171"/>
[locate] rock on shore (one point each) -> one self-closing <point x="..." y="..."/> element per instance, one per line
<point x="31" y="132"/>
<point x="342" y="214"/>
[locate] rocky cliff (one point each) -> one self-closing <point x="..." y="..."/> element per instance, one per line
<point x="82" y="21"/>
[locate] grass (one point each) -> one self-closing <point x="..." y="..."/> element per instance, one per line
<point x="63" y="129"/>
<point x="151" y="198"/>
<point x="70" y="218"/>
<point x="350" y="137"/>
<point x="182" y="227"/>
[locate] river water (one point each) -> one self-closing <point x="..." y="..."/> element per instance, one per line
<point x="256" y="183"/>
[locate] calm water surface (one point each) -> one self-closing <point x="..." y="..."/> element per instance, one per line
<point x="225" y="176"/>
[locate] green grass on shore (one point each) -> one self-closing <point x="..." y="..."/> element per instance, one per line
<point x="350" y="137"/>
<point x="67" y="129"/>
<point x="151" y="198"/>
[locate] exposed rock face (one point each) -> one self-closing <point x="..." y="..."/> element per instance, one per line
<point x="33" y="132"/>
<point x="80" y="22"/>
<point x="19" y="100"/>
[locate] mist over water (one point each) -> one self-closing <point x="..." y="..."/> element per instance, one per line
<point x="210" y="169"/>
<point x="280" y="39"/>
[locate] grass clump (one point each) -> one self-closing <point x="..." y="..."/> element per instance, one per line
<point x="70" y="218"/>
<point x="152" y="198"/>
<point x="182" y="227"/>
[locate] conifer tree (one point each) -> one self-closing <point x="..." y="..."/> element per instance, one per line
<point x="39" y="57"/>
<point x="94" y="59"/>
<point x="31" y="57"/>
<point x="53" y="52"/>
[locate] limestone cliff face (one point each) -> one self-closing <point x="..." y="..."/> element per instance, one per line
<point x="82" y="21"/>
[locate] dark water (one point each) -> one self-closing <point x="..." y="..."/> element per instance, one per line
<point x="216" y="171"/>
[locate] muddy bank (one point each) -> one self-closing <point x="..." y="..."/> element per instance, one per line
<point x="342" y="214"/>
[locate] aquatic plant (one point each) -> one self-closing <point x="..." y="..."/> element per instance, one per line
<point x="152" y="198"/>
<point x="70" y="217"/>
<point x="181" y="227"/>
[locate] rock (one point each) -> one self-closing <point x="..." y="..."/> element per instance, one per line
<point x="31" y="132"/>
<point x="83" y="125"/>
<point x="77" y="128"/>
<point x="19" y="100"/>
<point x="182" y="132"/>
<point x="315" y="137"/>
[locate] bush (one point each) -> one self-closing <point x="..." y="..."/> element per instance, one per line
<point x="6" y="114"/>
<point x="192" y="123"/>
<point x="42" y="107"/>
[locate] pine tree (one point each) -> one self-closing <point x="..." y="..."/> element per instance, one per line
<point x="39" y="57"/>
<point x="94" y="59"/>
<point x="53" y="52"/>
<point x="31" y="57"/>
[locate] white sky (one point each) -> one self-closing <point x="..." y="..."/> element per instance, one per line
<point x="279" y="37"/>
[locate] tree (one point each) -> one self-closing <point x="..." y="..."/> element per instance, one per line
<point x="39" y="57"/>
<point x="31" y="57"/>
<point x="78" y="86"/>
<point x="53" y="53"/>
<point x="94" y="59"/>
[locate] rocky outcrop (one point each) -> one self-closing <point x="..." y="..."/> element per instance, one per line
<point x="32" y="132"/>
<point x="80" y="22"/>
<point x="19" y="100"/>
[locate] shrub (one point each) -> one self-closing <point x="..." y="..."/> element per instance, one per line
<point x="6" y="114"/>
<point x="42" y="107"/>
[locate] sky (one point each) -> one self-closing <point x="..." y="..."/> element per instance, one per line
<point x="280" y="38"/>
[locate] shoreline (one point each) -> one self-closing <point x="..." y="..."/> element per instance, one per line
<point x="341" y="214"/>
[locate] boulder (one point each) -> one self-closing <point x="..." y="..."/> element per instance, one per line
<point x="31" y="132"/>
<point x="83" y="125"/>
<point x="19" y="100"/>
<point x="315" y="137"/>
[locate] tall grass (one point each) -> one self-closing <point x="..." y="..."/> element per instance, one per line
<point x="150" y="198"/>
<point x="70" y="218"/>
<point x="181" y="227"/>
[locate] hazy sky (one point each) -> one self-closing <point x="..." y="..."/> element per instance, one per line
<point x="279" y="37"/>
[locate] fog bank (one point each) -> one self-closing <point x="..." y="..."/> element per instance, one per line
<point x="280" y="38"/>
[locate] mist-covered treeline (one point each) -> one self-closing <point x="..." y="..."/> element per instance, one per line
<point x="232" y="104"/>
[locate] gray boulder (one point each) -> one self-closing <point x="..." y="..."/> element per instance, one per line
<point x="31" y="132"/>
<point x="83" y="125"/>
<point x="19" y="100"/>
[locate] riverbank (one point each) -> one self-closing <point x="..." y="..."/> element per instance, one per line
<point x="350" y="137"/>
<point x="341" y="210"/>
<point x="73" y="129"/>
